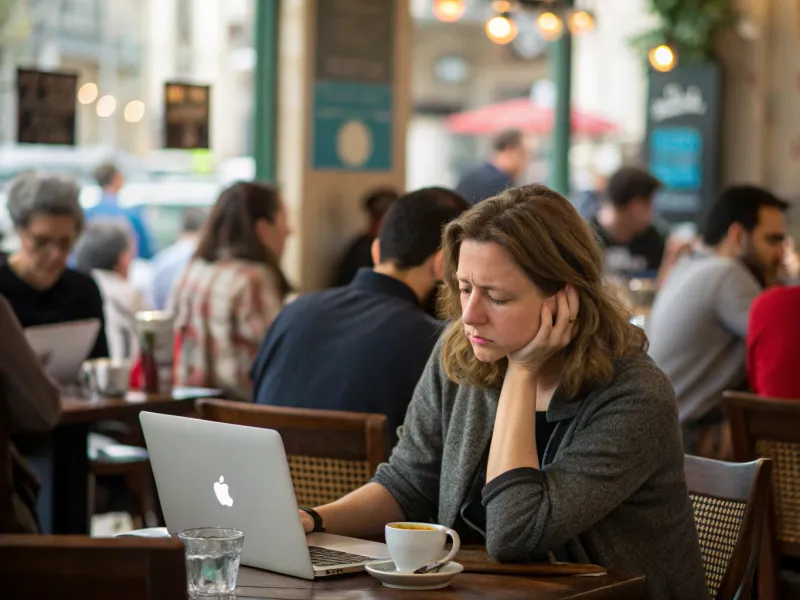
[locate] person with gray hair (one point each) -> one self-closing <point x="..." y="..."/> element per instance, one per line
<point x="35" y="279"/>
<point x="104" y="252"/>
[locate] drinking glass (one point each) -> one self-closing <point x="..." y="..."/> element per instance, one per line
<point x="212" y="559"/>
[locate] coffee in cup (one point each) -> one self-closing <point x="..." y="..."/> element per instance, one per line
<point x="413" y="527"/>
<point x="414" y="545"/>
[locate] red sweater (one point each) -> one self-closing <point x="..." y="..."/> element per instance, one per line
<point x="773" y="344"/>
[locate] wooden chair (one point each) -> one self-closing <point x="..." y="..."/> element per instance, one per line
<point x="38" y="566"/>
<point x="730" y="503"/>
<point x="330" y="453"/>
<point x="134" y="468"/>
<point x="770" y="428"/>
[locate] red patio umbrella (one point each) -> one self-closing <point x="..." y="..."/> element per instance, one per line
<point x="525" y="115"/>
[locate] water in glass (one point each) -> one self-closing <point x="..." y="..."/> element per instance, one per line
<point x="212" y="559"/>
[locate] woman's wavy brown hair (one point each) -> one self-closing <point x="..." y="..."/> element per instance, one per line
<point x="553" y="246"/>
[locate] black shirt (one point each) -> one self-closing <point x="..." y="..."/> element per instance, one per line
<point x="359" y="348"/>
<point x="471" y="524"/>
<point x="358" y="256"/>
<point x="644" y="253"/>
<point x="73" y="297"/>
<point x="482" y="182"/>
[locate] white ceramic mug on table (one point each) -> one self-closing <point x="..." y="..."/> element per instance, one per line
<point x="414" y="545"/>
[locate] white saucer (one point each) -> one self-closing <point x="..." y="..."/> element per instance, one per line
<point x="387" y="574"/>
<point x="148" y="532"/>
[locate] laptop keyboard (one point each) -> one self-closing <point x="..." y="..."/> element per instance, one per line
<point x="324" y="557"/>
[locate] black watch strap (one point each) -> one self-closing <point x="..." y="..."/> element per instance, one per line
<point x="318" y="528"/>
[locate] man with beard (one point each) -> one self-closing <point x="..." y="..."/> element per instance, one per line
<point x="698" y="323"/>
<point x="362" y="347"/>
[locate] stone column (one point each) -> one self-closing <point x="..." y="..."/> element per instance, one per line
<point x="343" y="102"/>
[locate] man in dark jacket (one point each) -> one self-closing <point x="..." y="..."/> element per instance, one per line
<point x="509" y="160"/>
<point x="362" y="347"/>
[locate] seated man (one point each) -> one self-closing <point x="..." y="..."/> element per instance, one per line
<point x="362" y="347"/>
<point x="773" y="343"/>
<point x="624" y="223"/>
<point x="171" y="262"/>
<point x="698" y="323"/>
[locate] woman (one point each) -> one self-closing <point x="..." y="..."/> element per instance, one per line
<point x="35" y="279"/>
<point x="30" y="403"/>
<point x="231" y="291"/>
<point x="539" y="425"/>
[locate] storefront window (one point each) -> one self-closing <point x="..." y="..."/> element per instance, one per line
<point x="123" y="53"/>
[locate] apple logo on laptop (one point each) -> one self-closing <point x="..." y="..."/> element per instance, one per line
<point x="221" y="490"/>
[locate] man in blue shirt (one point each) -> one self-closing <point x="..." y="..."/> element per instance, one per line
<point x="510" y="156"/>
<point x="362" y="347"/>
<point x="170" y="264"/>
<point x="110" y="178"/>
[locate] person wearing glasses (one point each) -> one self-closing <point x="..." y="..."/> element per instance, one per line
<point x="35" y="279"/>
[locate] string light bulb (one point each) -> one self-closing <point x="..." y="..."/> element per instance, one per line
<point x="88" y="93"/>
<point x="663" y="58"/>
<point x="106" y="106"/>
<point x="134" y="111"/>
<point x="550" y="25"/>
<point x="580" y="21"/>
<point x="448" y="11"/>
<point x="501" y="29"/>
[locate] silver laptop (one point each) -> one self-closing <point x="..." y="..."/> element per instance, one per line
<point x="62" y="347"/>
<point x="212" y="474"/>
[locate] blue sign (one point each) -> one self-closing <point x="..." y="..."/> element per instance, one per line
<point x="676" y="157"/>
<point x="683" y="112"/>
<point x="353" y="125"/>
<point x="353" y="93"/>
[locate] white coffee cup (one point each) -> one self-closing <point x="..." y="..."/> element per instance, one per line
<point x="104" y="377"/>
<point x="414" y="545"/>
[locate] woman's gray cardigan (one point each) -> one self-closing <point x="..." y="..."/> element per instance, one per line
<point x="611" y="490"/>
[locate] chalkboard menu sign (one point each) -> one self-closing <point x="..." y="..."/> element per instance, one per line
<point x="355" y="40"/>
<point x="354" y="85"/>
<point x="681" y="146"/>
<point x="46" y="107"/>
<point x="186" y="115"/>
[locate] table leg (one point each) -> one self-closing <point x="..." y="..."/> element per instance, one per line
<point x="70" y="508"/>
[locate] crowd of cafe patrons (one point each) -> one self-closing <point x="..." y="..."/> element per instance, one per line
<point x="526" y="408"/>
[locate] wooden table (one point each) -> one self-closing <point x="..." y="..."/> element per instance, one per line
<point x="254" y="583"/>
<point x="70" y="501"/>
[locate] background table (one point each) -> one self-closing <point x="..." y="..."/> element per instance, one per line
<point x="70" y="501"/>
<point x="254" y="583"/>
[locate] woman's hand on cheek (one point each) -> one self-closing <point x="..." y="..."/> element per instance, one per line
<point x="554" y="334"/>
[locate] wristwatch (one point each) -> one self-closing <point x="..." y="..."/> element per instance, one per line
<point x="318" y="528"/>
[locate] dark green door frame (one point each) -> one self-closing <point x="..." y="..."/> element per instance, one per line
<point x="561" y="72"/>
<point x="265" y="86"/>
